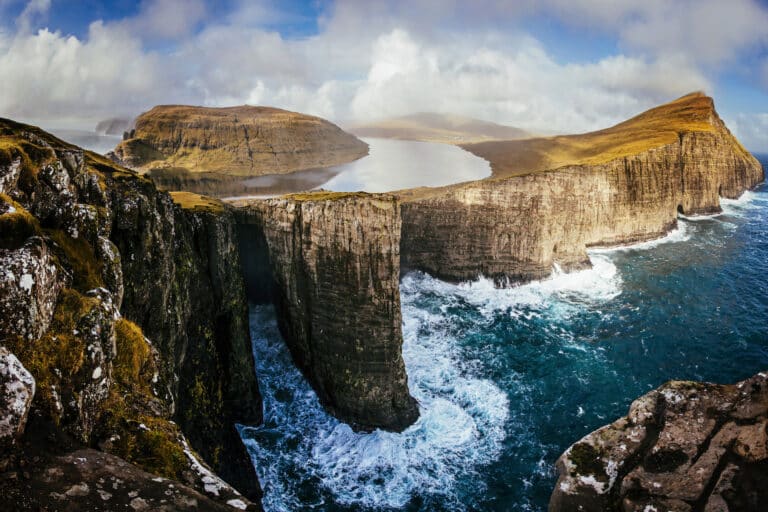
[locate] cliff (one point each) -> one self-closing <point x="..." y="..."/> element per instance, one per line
<point x="123" y="317"/>
<point x="335" y="266"/>
<point x="434" y="127"/>
<point x="684" y="446"/>
<point x="627" y="185"/>
<point x="174" y="140"/>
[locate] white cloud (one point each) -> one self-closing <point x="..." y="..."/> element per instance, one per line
<point x="50" y="76"/>
<point x="751" y="129"/>
<point x="525" y="88"/>
<point x="374" y="59"/>
<point x="166" y="19"/>
<point x="34" y="11"/>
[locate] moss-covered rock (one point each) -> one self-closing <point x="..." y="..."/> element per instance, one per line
<point x="76" y="228"/>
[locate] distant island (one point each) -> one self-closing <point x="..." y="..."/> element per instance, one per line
<point x="240" y="141"/>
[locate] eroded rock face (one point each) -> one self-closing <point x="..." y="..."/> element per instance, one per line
<point x="75" y="228"/>
<point x="30" y="283"/>
<point x="335" y="262"/>
<point x="685" y="446"/>
<point x="188" y="295"/>
<point x="516" y="228"/>
<point x="236" y="141"/>
<point x="17" y="388"/>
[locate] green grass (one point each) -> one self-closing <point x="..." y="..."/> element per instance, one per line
<point x="196" y="202"/>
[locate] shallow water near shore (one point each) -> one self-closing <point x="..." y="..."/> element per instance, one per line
<point x="507" y="379"/>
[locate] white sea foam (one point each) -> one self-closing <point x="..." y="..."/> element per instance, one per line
<point x="680" y="234"/>
<point x="461" y="426"/>
<point x="570" y="290"/>
<point x="749" y="200"/>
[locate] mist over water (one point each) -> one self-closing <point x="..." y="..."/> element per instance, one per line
<point x="508" y="379"/>
<point x="92" y="141"/>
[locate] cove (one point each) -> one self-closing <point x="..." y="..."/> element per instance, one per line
<point x="507" y="379"/>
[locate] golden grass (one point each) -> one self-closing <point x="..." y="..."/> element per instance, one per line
<point x="655" y="128"/>
<point x="324" y="195"/>
<point x="87" y="269"/>
<point x="59" y="354"/>
<point x="196" y="202"/>
<point x="149" y="441"/>
<point x="16" y="227"/>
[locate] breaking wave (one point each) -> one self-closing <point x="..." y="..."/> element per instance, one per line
<point x="300" y="446"/>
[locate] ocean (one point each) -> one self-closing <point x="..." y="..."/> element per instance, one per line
<point x="507" y="379"/>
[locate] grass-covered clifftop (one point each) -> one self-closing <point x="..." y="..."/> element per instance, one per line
<point x="654" y="128"/>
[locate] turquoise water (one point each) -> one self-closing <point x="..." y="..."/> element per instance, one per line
<point x="508" y="379"/>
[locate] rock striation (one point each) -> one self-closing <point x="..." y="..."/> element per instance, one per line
<point x="685" y="446"/>
<point x="515" y="227"/>
<point x="175" y="140"/>
<point x="156" y="373"/>
<point x="335" y="264"/>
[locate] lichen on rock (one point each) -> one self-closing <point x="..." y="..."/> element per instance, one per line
<point x="17" y="388"/>
<point x="684" y="446"/>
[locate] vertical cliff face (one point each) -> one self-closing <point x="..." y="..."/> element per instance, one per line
<point x="187" y="293"/>
<point x="516" y="228"/>
<point x="90" y="247"/>
<point x="335" y="263"/>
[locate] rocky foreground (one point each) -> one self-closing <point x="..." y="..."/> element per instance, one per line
<point x="685" y="446"/>
<point x="123" y="329"/>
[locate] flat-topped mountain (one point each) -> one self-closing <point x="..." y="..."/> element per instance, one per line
<point x="656" y="127"/>
<point x="242" y="141"/>
<point x="434" y="127"/>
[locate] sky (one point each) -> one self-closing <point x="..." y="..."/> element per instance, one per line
<point x="548" y="66"/>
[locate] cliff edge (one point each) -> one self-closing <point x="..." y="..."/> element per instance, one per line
<point x="551" y="199"/>
<point x="335" y="265"/>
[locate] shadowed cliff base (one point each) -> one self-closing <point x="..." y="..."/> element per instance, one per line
<point x="220" y="185"/>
